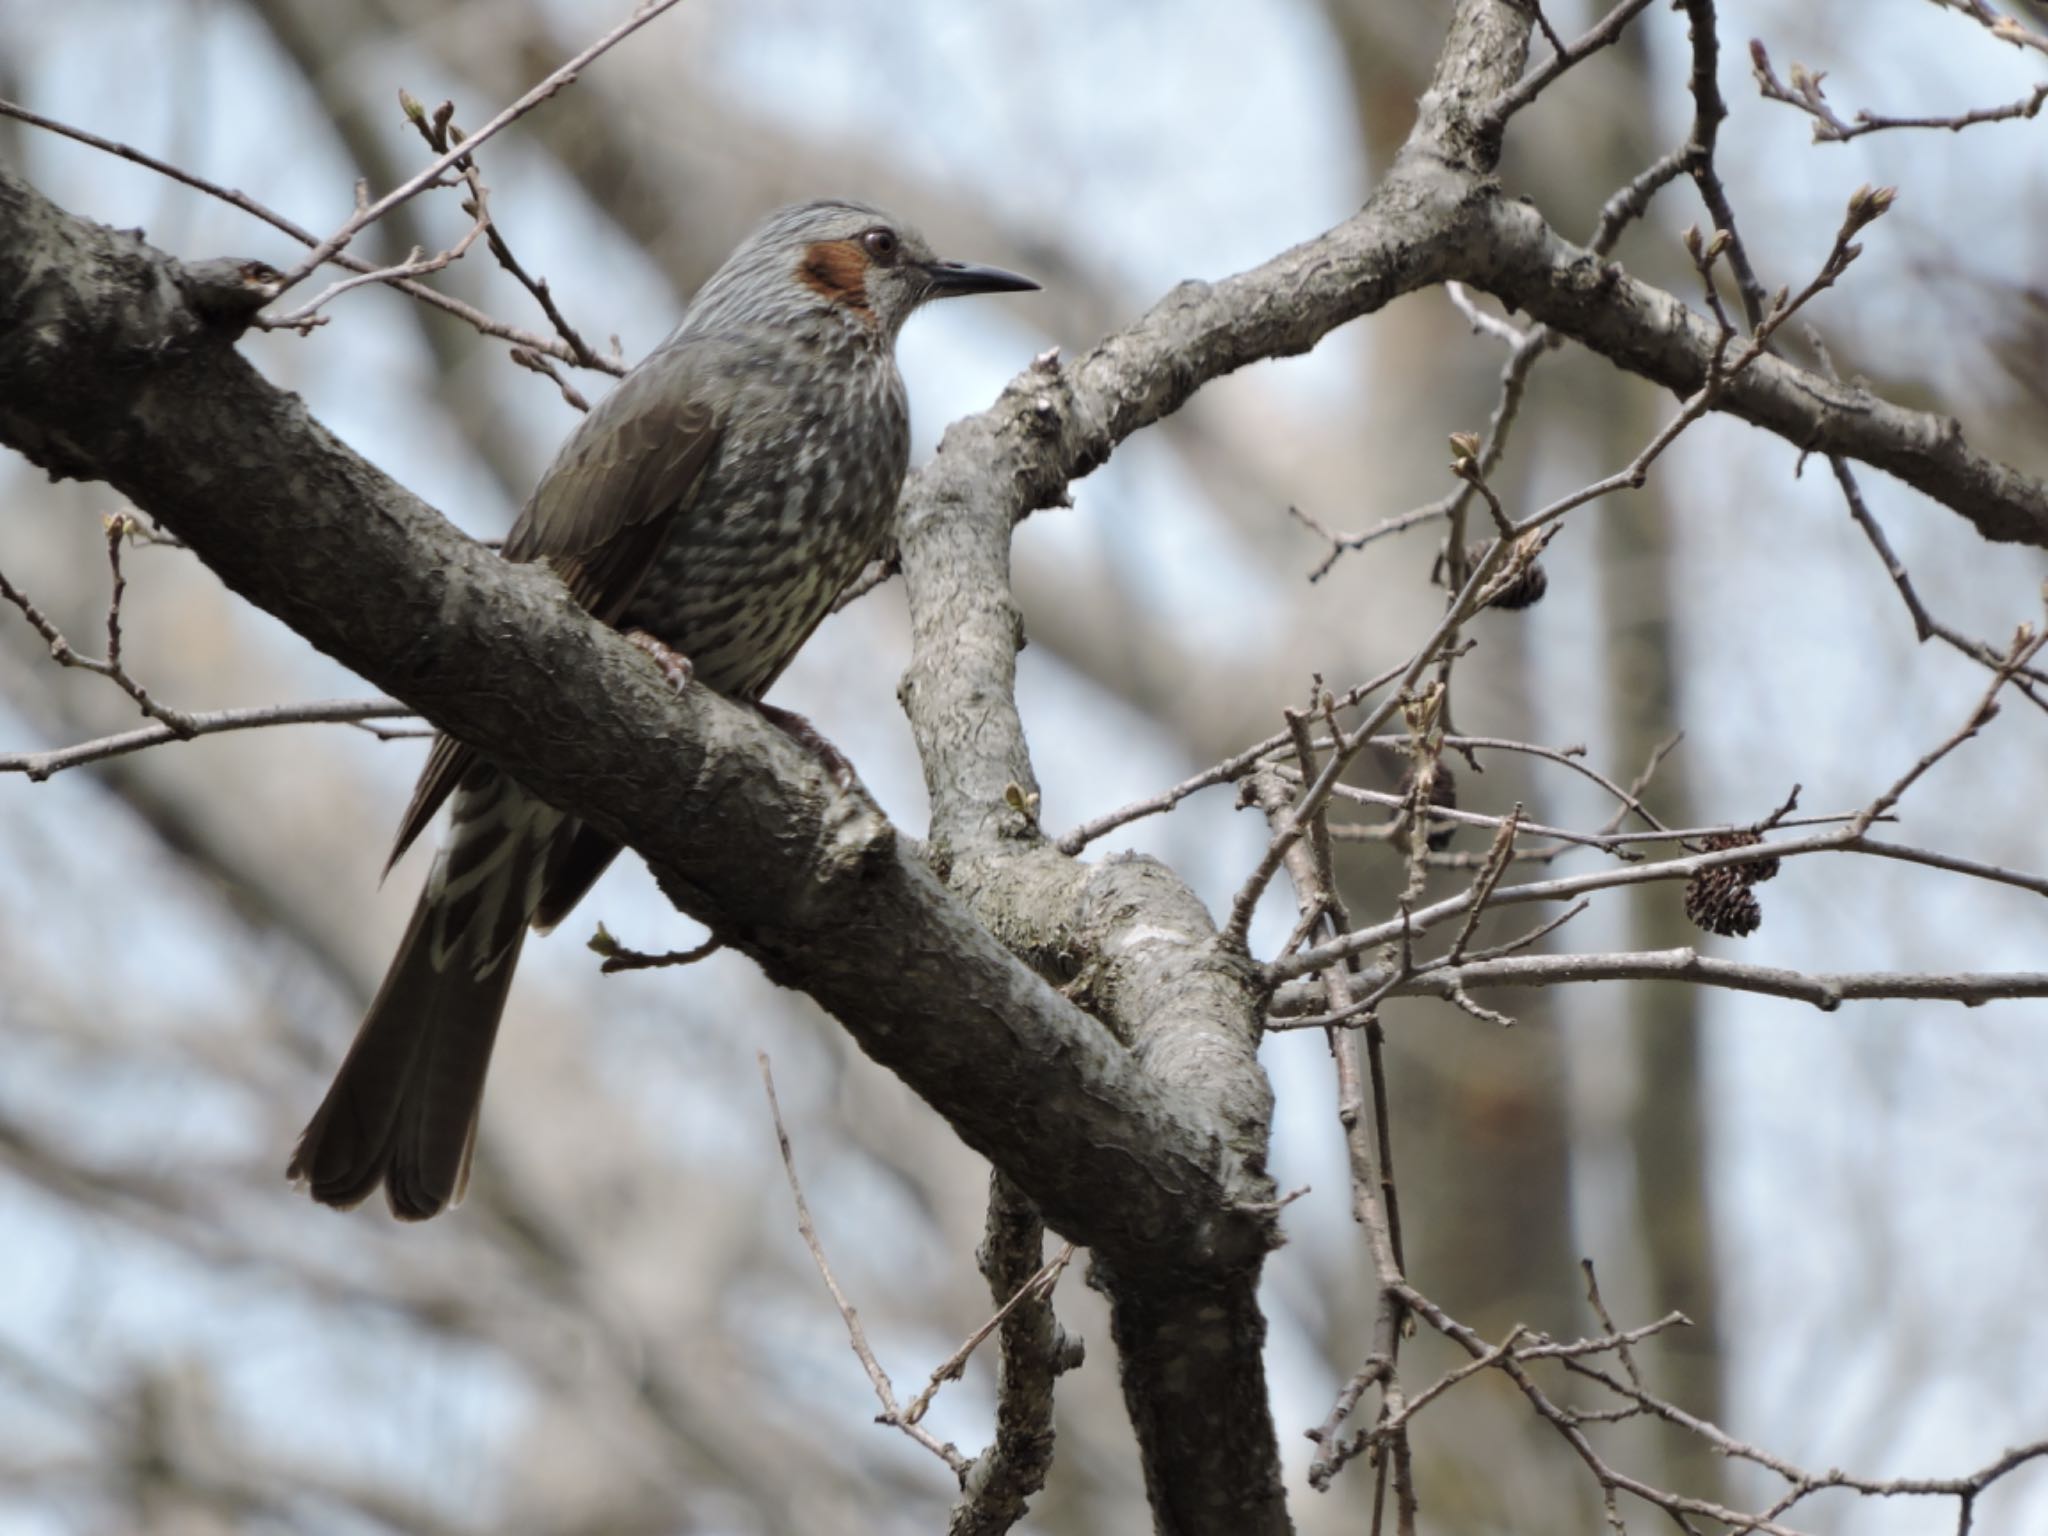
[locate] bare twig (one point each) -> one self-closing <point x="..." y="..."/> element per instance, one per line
<point x="1528" y="346"/>
<point x="878" y="572"/>
<point x="370" y="212"/>
<point x="1037" y="1288"/>
<point x="1228" y="771"/>
<point x="534" y="362"/>
<point x="441" y="133"/>
<point x="1374" y="1196"/>
<point x="1291" y="825"/>
<point x="40" y="765"/>
<point x="1521" y="1348"/>
<point x="1829" y="127"/>
<point x="2026" y="645"/>
<point x="1825" y="991"/>
<point x="619" y="958"/>
<point x="1868" y="204"/>
<point x="1535" y="10"/>
<point x="1571" y="887"/>
<point x="885" y="1393"/>
<point x="482" y="323"/>
<point x="1498" y="857"/>
<point x="176" y="722"/>
<point x="1604" y="33"/>
<point x="1599" y="1306"/>
<point x="2025" y="679"/>
<point x="416" y="264"/>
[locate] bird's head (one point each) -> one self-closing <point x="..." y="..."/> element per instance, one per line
<point x="850" y="257"/>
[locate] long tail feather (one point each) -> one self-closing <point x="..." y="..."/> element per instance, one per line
<point x="403" y="1108"/>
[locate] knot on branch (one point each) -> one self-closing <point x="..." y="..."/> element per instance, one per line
<point x="227" y="291"/>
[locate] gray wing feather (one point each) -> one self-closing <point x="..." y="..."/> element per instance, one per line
<point x="600" y="513"/>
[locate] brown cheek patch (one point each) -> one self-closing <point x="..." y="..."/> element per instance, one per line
<point x="838" y="269"/>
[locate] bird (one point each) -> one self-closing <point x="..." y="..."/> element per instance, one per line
<point x="713" y="506"/>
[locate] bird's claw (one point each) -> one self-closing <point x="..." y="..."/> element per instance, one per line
<point x="676" y="668"/>
<point x="808" y="736"/>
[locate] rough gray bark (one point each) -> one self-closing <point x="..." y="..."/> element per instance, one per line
<point x="1138" y="1128"/>
<point x="109" y="374"/>
<point x="1651" y="333"/>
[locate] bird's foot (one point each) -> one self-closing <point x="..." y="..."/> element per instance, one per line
<point x="807" y="736"/>
<point x="675" y="666"/>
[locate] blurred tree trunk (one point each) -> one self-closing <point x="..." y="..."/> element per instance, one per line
<point x="1664" y="1126"/>
<point x="1481" y="1116"/>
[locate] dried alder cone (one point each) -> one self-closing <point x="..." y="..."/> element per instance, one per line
<point x="1525" y="588"/>
<point x="1720" y="899"/>
<point x="1443" y="793"/>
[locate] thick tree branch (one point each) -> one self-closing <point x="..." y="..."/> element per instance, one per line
<point x="1649" y="332"/>
<point x="1436" y="217"/>
<point x="1140" y="1131"/>
<point x="1035" y="1350"/>
<point x="107" y="373"/>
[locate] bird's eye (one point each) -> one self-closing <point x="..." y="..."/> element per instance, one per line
<point x="881" y="244"/>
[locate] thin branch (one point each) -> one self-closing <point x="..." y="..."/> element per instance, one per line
<point x="2026" y="645"/>
<point x="890" y="1414"/>
<point x="1535" y="10"/>
<point x="1461" y="607"/>
<point x="1498" y="857"/>
<point x="1966" y="1488"/>
<point x="619" y="958"/>
<point x="1529" y="346"/>
<point x="1829" y="127"/>
<point x="1617" y="843"/>
<point x="1632" y="201"/>
<point x="431" y="175"/>
<point x="41" y="765"/>
<point x="175" y="722"/>
<point x="416" y="264"/>
<point x="1391" y="982"/>
<point x="1567" y="888"/>
<point x="1825" y="991"/>
<point x="1228" y="771"/>
<point x="1486" y="323"/>
<point x="1523" y="1344"/>
<point x="534" y="362"/>
<point x="1567" y="1423"/>
<point x="1866" y="205"/>
<point x="1522" y="1348"/>
<point x="1037" y="1288"/>
<point x="1343" y="543"/>
<point x="1599" y="1306"/>
<point x="1375" y="1202"/>
<point x="1925" y="625"/>
<point x="1709" y="110"/>
<point x="440" y="132"/>
<point x="475" y="318"/>
<point x="1603" y="33"/>
<point x="1998" y="24"/>
<point x="878" y="572"/>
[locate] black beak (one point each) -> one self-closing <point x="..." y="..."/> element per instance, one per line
<point x="951" y="279"/>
